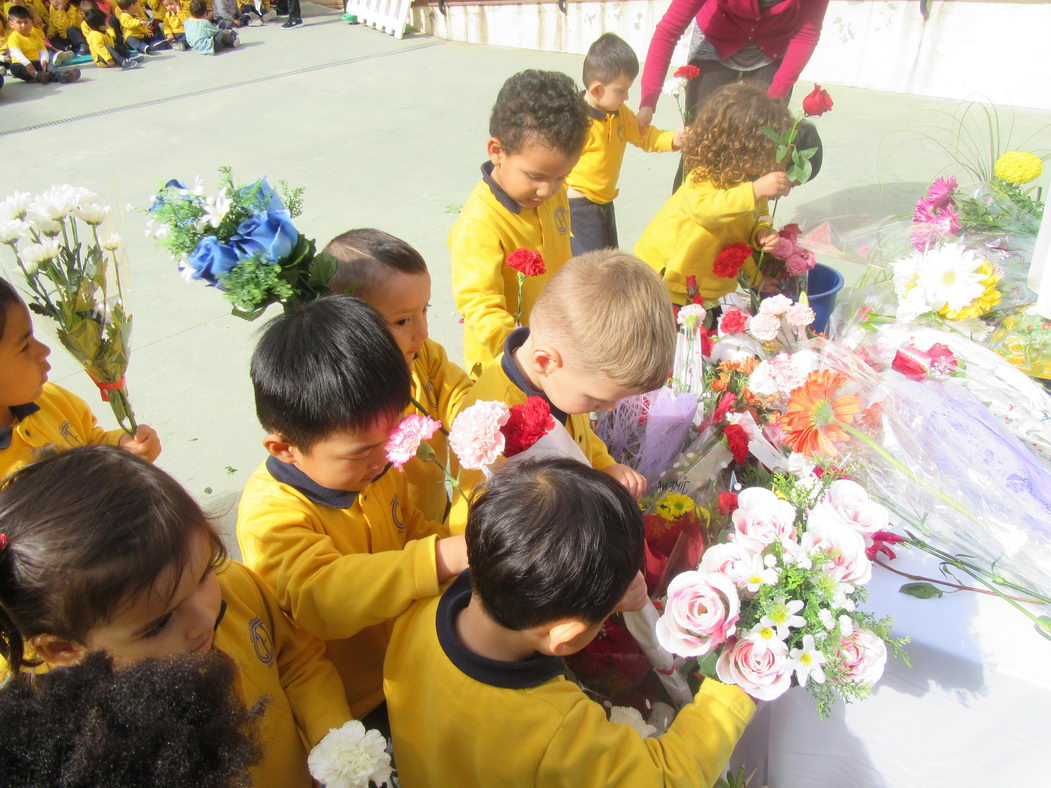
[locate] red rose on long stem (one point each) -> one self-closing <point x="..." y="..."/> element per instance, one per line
<point x="729" y="261"/>
<point x="526" y="262"/>
<point x="818" y="102"/>
<point x="737" y="440"/>
<point x="687" y="72"/>
<point x="527" y="424"/>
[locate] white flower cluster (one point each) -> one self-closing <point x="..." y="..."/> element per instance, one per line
<point x="25" y="218"/>
<point x="942" y="276"/>
<point x="350" y="757"/>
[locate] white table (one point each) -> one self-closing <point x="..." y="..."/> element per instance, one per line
<point x="973" y="710"/>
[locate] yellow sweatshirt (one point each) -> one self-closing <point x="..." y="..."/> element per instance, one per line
<point x="502" y="381"/>
<point x="131" y="25"/>
<point x="692" y="227"/>
<point x="97" y="43"/>
<point x="439" y="386"/>
<point x="58" y="22"/>
<point x="490" y="227"/>
<point x="460" y="720"/>
<point x="598" y="170"/>
<point x="42" y="8"/>
<point x="31" y="45"/>
<point x="340" y="569"/>
<point x="58" y="418"/>
<point x="278" y="660"/>
<point x="173" y="22"/>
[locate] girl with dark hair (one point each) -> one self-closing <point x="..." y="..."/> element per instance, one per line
<point x="102" y="551"/>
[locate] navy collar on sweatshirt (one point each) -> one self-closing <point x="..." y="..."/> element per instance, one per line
<point x="599" y="114"/>
<point x="292" y="476"/>
<point x="19" y="412"/>
<point x="522" y="674"/>
<point x="501" y="196"/>
<point x="514" y="341"/>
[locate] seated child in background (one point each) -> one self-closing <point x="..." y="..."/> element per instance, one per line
<point x="610" y="68"/>
<point x="203" y="35"/>
<point x="733" y="171"/>
<point x="538" y="127"/>
<point x="139" y="34"/>
<point x="35" y="414"/>
<point x="105" y="552"/>
<point x="258" y="8"/>
<point x="584" y="351"/>
<point x="38" y="11"/>
<point x="106" y="50"/>
<point x="175" y="17"/>
<point x="99" y="725"/>
<point x="324" y="521"/>
<point x="391" y="277"/>
<point x="228" y="11"/>
<point x="30" y="60"/>
<point x="475" y="683"/>
<point x="63" y="27"/>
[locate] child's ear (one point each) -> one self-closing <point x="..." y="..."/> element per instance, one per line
<point x="545" y="359"/>
<point x="495" y="149"/>
<point x="58" y="651"/>
<point x="596" y="89"/>
<point x="560" y="637"/>
<point x="277" y="445"/>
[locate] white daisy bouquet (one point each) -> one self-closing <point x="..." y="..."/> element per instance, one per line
<point x="73" y="274"/>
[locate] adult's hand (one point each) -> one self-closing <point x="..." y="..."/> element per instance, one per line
<point x="645" y="117"/>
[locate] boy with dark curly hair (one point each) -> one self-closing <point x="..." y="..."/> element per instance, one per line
<point x="537" y="131"/>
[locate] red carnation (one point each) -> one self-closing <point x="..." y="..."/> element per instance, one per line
<point x="733" y="321"/>
<point x="706" y="341"/>
<point x="729" y="261"/>
<point x="527" y="424"/>
<point x="737" y="440"/>
<point x="725" y="403"/>
<point x="881" y="541"/>
<point x="727" y="503"/>
<point x="817" y="103"/>
<point x="527" y="262"/>
<point x="687" y="72"/>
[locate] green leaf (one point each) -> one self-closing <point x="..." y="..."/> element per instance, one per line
<point x="1043" y="626"/>
<point x="772" y="134"/>
<point x="921" y="590"/>
<point x="207" y="490"/>
<point x="782" y="151"/>
<point x="806" y="154"/>
<point x="706" y="664"/>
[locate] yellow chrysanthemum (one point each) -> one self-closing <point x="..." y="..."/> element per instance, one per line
<point x="1018" y="166"/>
<point x="674" y="506"/>
<point x="986" y="301"/>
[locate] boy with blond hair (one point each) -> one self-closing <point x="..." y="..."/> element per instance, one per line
<point x="475" y="681"/>
<point x="602" y="330"/>
<point x="324" y="520"/>
<point x="537" y="130"/>
<point x="610" y="68"/>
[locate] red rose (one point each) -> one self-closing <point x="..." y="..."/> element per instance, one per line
<point x="527" y="262"/>
<point x="737" y="440"/>
<point x="687" y="72"/>
<point x="729" y="261"/>
<point x="727" y="503"/>
<point x="817" y="103"/>
<point x="527" y="424"/>
<point x="733" y="321"/>
<point x="909" y="361"/>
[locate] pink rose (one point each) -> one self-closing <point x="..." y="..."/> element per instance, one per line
<point x="700" y="613"/>
<point x="864" y="656"/>
<point x="800" y="261"/>
<point x="764" y="673"/>
<point x="783" y="248"/>
<point x="475" y="436"/>
<point x="847" y="503"/>
<point x="843" y="548"/>
<point x="404" y="441"/>
<point x="729" y="559"/>
<point x="799" y="315"/>
<point x="765" y="326"/>
<point x="790" y="231"/>
<point x="762" y="519"/>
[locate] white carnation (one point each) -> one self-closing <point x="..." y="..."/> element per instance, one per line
<point x="627" y="715"/>
<point x="350" y="757"/>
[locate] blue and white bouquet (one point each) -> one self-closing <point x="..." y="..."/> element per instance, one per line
<point x="242" y="241"/>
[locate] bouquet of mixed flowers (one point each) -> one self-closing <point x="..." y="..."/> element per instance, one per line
<point x="67" y="264"/>
<point x="242" y="241"/>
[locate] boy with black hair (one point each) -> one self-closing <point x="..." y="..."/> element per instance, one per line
<point x="138" y="32"/>
<point x="553" y="546"/>
<point x="203" y="35"/>
<point x="537" y="130"/>
<point x="106" y="50"/>
<point x="63" y="27"/>
<point x="322" y="521"/>
<point x="610" y="69"/>
<point x="30" y="60"/>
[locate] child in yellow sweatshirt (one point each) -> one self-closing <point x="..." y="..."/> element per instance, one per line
<point x="324" y="521"/>
<point x="35" y="414"/>
<point x="140" y="35"/>
<point x="63" y="27"/>
<point x="610" y="68"/>
<point x="537" y="130"/>
<point x="723" y="200"/>
<point x="475" y="680"/>
<point x="106" y="50"/>
<point x="391" y="277"/>
<point x="174" y="17"/>
<point x="104" y="552"/>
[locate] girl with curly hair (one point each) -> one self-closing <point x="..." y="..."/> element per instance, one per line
<point x="733" y="171"/>
<point x="102" y="551"/>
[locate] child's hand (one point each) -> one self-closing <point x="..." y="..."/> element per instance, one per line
<point x="645" y="117"/>
<point x="676" y="142"/>
<point x="450" y="556"/>
<point x="633" y="481"/>
<point x="145" y="444"/>
<point x="771" y="185"/>
<point x="767" y="239"/>
<point x="635" y="598"/>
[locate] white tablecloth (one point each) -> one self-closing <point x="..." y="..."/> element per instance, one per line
<point x="973" y="710"/>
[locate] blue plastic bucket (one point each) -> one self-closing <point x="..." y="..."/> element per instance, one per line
<point x="822" y="285"/>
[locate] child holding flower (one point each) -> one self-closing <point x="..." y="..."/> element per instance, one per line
<point x="34" y="413"/>
<point x="323" y="521"/>
<point x="733" y="171"/>
<point x="391" y="277"/>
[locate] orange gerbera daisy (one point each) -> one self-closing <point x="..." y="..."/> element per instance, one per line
<point x="813" y="410"/>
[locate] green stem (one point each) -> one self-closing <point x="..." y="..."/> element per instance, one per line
<point x="424" y="412"/>
<point x="951" y="585"/>
<point x="521" y="286"/>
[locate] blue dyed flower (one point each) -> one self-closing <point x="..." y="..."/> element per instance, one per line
<point x="158" y="198"/>
<point x="211" y="259"/>
<point x="271" y="233"/>
<point x="265" y="198"/>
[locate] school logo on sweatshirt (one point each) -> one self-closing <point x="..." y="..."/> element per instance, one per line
<point x="69" y="435"/>
<point x="261" y="641"/>
<point x="395" y="515"/>
<point x="561" y="220"/>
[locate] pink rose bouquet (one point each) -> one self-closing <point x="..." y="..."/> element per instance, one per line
<point x="700" y="613"/>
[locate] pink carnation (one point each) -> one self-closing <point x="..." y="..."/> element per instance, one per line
<point x="941" y="191"/>
<point x="475" y="436"/>
<point x="800" y="261"/>
<point x="784" y="373"/>
<point x="775" y="305"/>
<point x="404" y="441"/>
<point x="764" y="326"/>
<point x="764" y="673"/>
<point x="700" y="613"/>
<point x="799" y="315"/>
